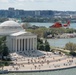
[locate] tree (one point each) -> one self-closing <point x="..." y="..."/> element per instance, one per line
<point x="3" y="47"/>
<point x="5" y="51"/>
<point x="43" y="46"/>
<point x="73" y="53"/>
<point x="70" y="46"/>
<point x="47" y="46"/>
<point x="39" y="31"/>
<point x="39" y="44"/>
<point x="1" y="65"/>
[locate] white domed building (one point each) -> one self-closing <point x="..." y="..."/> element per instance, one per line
<point x="9" y="27"/>
<point x="18" y="40"/>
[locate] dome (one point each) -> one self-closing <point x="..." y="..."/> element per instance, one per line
<point x="9" y="23"/>
<point x="9" y="27"/>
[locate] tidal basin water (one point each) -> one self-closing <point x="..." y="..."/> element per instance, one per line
<point x="60" y="42"/>
<point x="71" y="71"/>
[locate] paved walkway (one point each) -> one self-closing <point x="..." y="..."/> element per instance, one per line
<point x="46" y="61"/>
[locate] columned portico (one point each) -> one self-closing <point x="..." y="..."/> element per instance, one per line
<point x="24" y="44"/>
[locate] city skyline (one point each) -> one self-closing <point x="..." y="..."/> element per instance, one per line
<point x="61" y="5"/>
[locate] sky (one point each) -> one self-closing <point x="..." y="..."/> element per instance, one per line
<point x="60" y="5"/>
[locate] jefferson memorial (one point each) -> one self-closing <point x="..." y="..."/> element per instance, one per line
<point x="17" y="39"/>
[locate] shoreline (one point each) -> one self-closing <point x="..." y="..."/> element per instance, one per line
<point x="5" y="72"/>
<point x="41" y="70"/>
<point x="63" y="36"/>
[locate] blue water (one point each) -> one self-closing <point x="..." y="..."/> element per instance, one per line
<point x="42" y="24"/>
<point x="73" y="25"/>
<point x="60" y="42"/>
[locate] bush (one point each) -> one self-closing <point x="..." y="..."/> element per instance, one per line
<point x="43" y="46"/>
<point x="8" y="59"/>
<point x="47" y="46"/>
<point x="73" y="53"/>
<point x="70" y="46"/>
<point x="6" y="63"/>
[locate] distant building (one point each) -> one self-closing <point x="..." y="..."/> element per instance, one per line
<point x="11" y="9"/>
<point x="15" y="13"/>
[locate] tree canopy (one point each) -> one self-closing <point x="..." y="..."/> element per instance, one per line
<point x="44" y="32"/>
<point x="70" y="46"/>
<point x="43" y="46"/>
<point x="3" y="48"/>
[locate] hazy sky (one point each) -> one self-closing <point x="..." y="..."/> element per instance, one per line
<point x="39" y="4"/>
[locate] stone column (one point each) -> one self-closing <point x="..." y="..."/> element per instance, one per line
<point x="33" y="43"/>
<point x="24" y="44"/>
<point x="21" y="44"/>
<point x="16" y="46"/>
<point x="12" y="44"/>
<point x="28" y="44"/>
